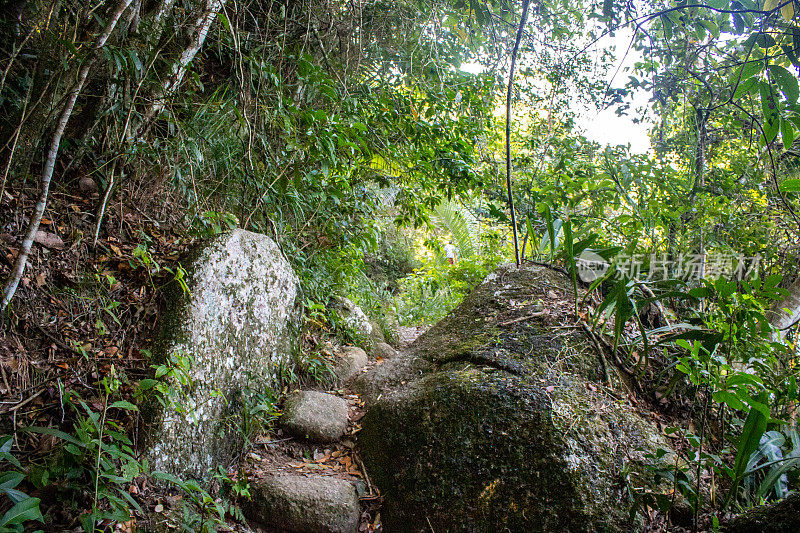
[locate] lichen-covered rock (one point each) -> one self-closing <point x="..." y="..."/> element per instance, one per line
<point x="495" y="421"/>
<point x="237" y="325"/>
<point x="317" y="416"/>
<point x="355" y="318"/>
<point x="312" y="504"/>
<point x="351" y="360"/>
<point x="779" y="517"/>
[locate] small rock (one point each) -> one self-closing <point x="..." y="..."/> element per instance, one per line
<point x="48" y="240"/>
<point x="87" y="186"/>
<point x="351" y="360"/>
<point x="315" y="415"/>
<point x="356" y="319"/>
<point x="316" y="504"/>
<point x="383" y="350"/>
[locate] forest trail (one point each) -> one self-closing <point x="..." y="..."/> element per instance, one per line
<point x="314" y="485"/>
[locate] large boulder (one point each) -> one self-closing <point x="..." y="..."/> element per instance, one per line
<point x="356" y="319"/>
<point x="236" y="325"/>
<point x="496" y="420"/>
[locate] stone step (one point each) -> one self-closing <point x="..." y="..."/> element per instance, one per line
<point x="351" y="361"/>
<point x="316" y="416"/>
<point x="313" y="504"/>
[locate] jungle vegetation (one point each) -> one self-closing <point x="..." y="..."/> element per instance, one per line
<point x="350" y="130"/>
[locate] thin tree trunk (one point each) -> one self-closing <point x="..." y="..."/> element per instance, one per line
<point x="525" y="5"/>
<point x="781" y="319"/>
<point x="700" y="173"/>
<point x="50" y="162"/>
<point x="200" y="31"/>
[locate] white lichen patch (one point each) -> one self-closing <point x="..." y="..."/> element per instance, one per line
<point x="237" y="326"/>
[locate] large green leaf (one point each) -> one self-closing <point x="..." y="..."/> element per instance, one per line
<point x="787" y="82"/>
<point x="461" y="224"/>
<point x="25" y="510"/>
<point x="769" y="108"/>
<point x="754" y="427"/>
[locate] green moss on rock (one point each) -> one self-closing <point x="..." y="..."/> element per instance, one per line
<point x="493" y="422"/>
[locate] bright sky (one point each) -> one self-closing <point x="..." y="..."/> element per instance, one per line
<point x="604" y="126"/>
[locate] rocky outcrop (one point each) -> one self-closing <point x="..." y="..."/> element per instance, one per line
<point x="497" y="421"/>
<point x="779" y="517"/>
<point x="236" y="328"/>
<point x="312" y="504"/>
<point x="316" y="416"/>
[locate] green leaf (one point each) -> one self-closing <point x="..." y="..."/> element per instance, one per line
<point x="9" y="480"/>
<point x="122" y="404"/>
<point x="787" y="82"/>
<point x="792" y="185"/>
<point x="775" y="473"/>
<point x="769" y="108"/>
<point x="531" y="233"/>
<point x="57" y="433"/>
<point x="729" y="399"/>
<point x="787" y="133"/>
<point x="711" y="27"/>
<point x="744" y="87"/>
<point x="24" y="510"/>
<point x="754" y="427"/>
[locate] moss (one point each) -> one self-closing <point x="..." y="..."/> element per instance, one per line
<point x="502" y="428"/>
<point x="779" y="517"/>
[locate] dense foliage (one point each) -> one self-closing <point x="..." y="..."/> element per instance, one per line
<point x="131" y="128"/>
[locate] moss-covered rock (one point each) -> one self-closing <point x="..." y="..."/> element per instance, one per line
<point x="237" y="325"/>
<point x="495" y="420"/>
<point x="778" y="517"/>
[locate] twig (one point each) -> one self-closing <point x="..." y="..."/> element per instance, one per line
<point x="521" y="318"/>
<point x="24" y="402"/>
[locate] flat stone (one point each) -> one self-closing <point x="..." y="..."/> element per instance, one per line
<point x="313" y="504"/>
<point x="48" y="240"/>
<point x="382" y="350"/>
<point x="315" y="415"/>
<point x="351" y="360"/>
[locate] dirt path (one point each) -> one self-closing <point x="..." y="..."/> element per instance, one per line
<point x="408" y="334"/>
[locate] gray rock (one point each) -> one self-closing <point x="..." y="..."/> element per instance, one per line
<point x="351" y="360"/>
<point x="315" y="415"/>
<point x="382" y="350"/>
<point x="355" y="318"/>
<point x="237" y="326"/>
<point x="314" y="504"/>
<point x="494" y="421"/>
<point x="48" y="240"/>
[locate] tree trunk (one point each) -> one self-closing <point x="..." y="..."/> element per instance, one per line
<point x="780" y="319"/>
